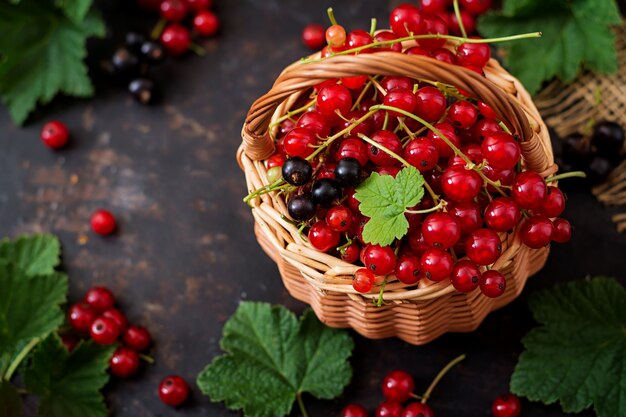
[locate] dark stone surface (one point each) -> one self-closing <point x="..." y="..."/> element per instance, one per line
<point x="185" y="254"/>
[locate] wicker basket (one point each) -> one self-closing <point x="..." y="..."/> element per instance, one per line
<point x="415" y="314"/>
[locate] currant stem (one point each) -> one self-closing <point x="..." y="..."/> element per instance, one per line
<point x="380" y="301"/>
<point x="373" y="27"/>
<point x="573" y="174"/>
<point x="291" y="113"/>
<point x="331" y="16"/>
<point x="197" y="49"/>
<point x="147" y="358"/>
<point x="301" y="405"/>
<point x="440" y="375"/>
<point x="441" y="204"/>
<point x="417" y="397"/>
<point x="158" y="29"/>
<point x="276" y="185"/>
<point x="20" y="357"/>
<point x="457" y="13"/>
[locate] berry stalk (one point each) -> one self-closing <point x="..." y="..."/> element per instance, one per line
<point x="573" y="174"/>
<point x="457" y="12"/>
<point x="439" y="376"/>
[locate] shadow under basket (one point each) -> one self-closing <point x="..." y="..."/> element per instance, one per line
<point x="416" y="314"/>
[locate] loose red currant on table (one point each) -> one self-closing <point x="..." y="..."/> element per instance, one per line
<point x="354" y="410"/>
<point x="389" y="409"/>
<point x="502" y="214"/>
<point x="334" y="98"/>
<point x="176" y="39"/>
<point x="441" y="230"/>
<point x="104" y="331"/>
<point x="460" y="184"/>
<point x="529" y="190"/>
<point x="350" y="253"/>
<point x="173" y="391"/>
<point x="379" y="259"/>
<point x="554" y="203"/>
<point x="124" y="362"/>
<point x="322" y="237"/>
<point x="388" y="140"/>
<point x="363" y="280"/>
<point x="483" y="246"/>
<point x="339" y="218"/>
<point x="431" y="104"/>
<point x="397" y="386"/>
<point x="103" y="222"/>
<point x="436" y="264"/>
<point x="118" y="317"/>
<point x="492" y="283"/>
<point x="418" y="410"/>
<point x="536" y="232"/>
<point x="507" y="405"/>
<point x="54" y="134"/>
<point x="314" y="36"/>
<point x="408" y="269"/>
<point x="137" y="338"/>
<point x="336" y="36"/>
<point x="80" y="317"/>
<point x="422" y="153"/>
<point x="562" y="231"/>
<point x="173" y="10"/>
<point x="100" y="298"/>
<point x="406" y="19"/>
<point x="206" y="23"/>
<point x="465" y="276"/>
<point x="501" y="150"/>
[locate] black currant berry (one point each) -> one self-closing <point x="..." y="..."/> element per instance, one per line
<point x="348" y="172"/>
<point x="124" y="62"/>
<point x="297" y="171"/>
<point x="133" y="41"/>
<point x="576" y="151"/>
<point x="608" y="139"/>
<point x="599" y="169"/>
<point x="143" y="90"/>
<point x="325" y="192"/>
<point x="152" y="52"/>
<point x="301" y="207"/>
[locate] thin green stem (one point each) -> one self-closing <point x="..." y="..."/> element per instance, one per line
<point x="291" y="113"/>
<point x="573" y="174"/>
<point x="441" y="204"/>
<point x="276" y="185"/>
<point x="504" y="127"/>
<point x="373" y="27"/>
<point x="197" y="49"/>
<point x="147" y="358"/>
<point x="457" y="13"/>
<point x="360" y="97"/>
<point x="301" y="405"/>
<point x="158" y="29"/>
<point x="20" y="357"/>
<point x="440" y="375"/>
<point x="381" y="301"/>
<point x="331" y="16"/>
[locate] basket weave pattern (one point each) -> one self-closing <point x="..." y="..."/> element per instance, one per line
<point x="416" y="314"/>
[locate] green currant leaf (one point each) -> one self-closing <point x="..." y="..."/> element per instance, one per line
<point x="42" y="53"/>
<point x="35" y="255"/>
<point x="578" y="355"/>
<point x="271" y="357"/>
<point x="68" y="385"/>
<point x="384" y="200"/>
<point x="10" y="400"/>
<point x="74" y="9"/>
<point x="576" y="35"/>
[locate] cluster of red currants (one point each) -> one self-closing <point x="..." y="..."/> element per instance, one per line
<point x="472" y="165"/>
<point x="97" y="317"/>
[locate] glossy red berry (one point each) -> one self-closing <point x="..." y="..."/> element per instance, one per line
<point x="486" y="110"/>
<point x="529" y="190"/>
<point x="433" y="25"/>
<point x="507" y="405"/>
<point x="339" y="218"/>
<point x="473" y="54"/>
<point x="124" y="362"/>
<point x="467" y="214"/>
<point x="276" y="160"/>
<point x="137" y="338"/>
<point x="460" y="184"/>
<point x="437" y="264"/>
<point x="492" y="283"/>
<point x="353" y="410"/>
<point x="104" y="331"/>
<point x="505" y="176"/>
<point x="444" y="55"/>
<point x="501" y="150"/>
<point x="388" y="140"/>
<point x="350" y="253"/>
<point x="173" y="391"/>
<point x="197" y="5"/>
<point x="300" y="142"/>
<point x="314" y="36"/>
<point x="502" y="214"/>
<point x="389" y="409"/>
<point x="354" y="83"/>
<point x="417" y="243"/>
<point x="422" y="153"/>
<point x="469" y="23"/>
<point x="448" y="131"/>
<point x="363" y="280"/>
<point x="316" y="122"/>
<point x="483" y="246"/>
<point x="441" y="230"/>
<point x="562" y="231"/>
<point x="401" y="98"/>
<point x="173" y="10"/>
<point x="408" y="269"/>
<point x="358" y="38"/>
<point x="54" y="134"/>
<point x="554" y="203"/>
<point x="379" y="259"/>
<point x="434" y="6"/>
<point x="100" y="298"/>
<point x="386" y="36"/>
<point x="80" y="317"/>
<point x="431" y="104"/>
<point x="463" y="114"/>
<point x="397" y="386"/>
<point x="103" y="222"/>
<point x="206" y="23"/>
<point x="416" y="50"/>
<point x="406" y="19"/>
<point x="322" y="237"/>
<point x="336" y="36"/>
<point x="176" y="39"/>
<point x="118" y="317"/>
<point x="485" y="127"/>
<point x="417" y="410"/>
<point x="475" y="7"/>
<point x="334" y="98"/>
<point x="352" y="147"/>
<point x="536" y="232"/>
<point x="465" y="276"/>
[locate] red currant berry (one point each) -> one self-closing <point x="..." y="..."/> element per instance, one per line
<point x="54" y="134"/>
<point x="406" y="19"/>
<point x="449" y="132"/>
<point x="173" y="391"/>
<point x="80" y="317"/>
<point x="206" y="23"/>
<point x="536" y="232"/>
<point x="484" y="128"/>
<point x="363" y="280"/>
<point x="468" y="23"/>
<point x="354" y="410"/>
<point x="334" y="98"/>
<point x="483" y="246"/>
<point x="276" y="160"/>
<point x="176" y="39"/>
<point x="408" y="269"/>
<point x="422" y="153"/>
<point x="352" y="148"/>
<point x="436" y="264"/>
<point x="137" y="338"/>
<point x="100" y="298"/>
<point x="358" y="38"/>
<point x="388" y="140"/>
<point x="103" y="222"/>
<point x="124" y="362"/>
<point x="322" y="237"/>
<point x="562" y="231"/>
<point x="336" y="36"/>
<point x="393" y="82"/>
<point x="379" y="259"/>
<point x="554" y="203"/>
<point x="502" y="214"/>
<point x="492" y="283"/>
<point x="397" y="386"/>
<point x="434" y="6"/>
<point x="444" y="55"/>
<point x="441" y="230"/>
<point x="197" y="5"/>
<point x="173" y="10"/>
<point x="433" y="25"/>
<point x="431" y="104"/>
<point x="104" y="331"/>
<point x="505" y="176"/>
<point x="529" y="190"/>
<point x="389" y="409"/>
<point x="501" y="150"/>
<point x="460" y="184"/>
<point x="392" y="170"/>
<point x="314" y="36"/>
<point x="386" y="36"/>
<point x="463" y="114"/>
<point x="473" y="54"/>
<point x="417" y="410"/>
<point x="350" y="253"/>
<point x="118" y="317"/>
<point x="416" y="50"/>
<point x="339" y="218"/>
<point x="350" y="201"/>
<point x="475" y="7"/>
<point x="354" y="83"/>
<point x="465" y="276"/>
<point x="417" y="243"/>
<point x="300" y="142"/>
<point x="402" y="99"/>
<point x="486" y="111"/>
<point x="467" y="214"/>
<point x="507" y="405"/>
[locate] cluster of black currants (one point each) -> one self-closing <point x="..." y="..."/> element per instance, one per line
<point x="130" y="65"/>
<point x="597" y="154"/>
<point x="324" y="192"/>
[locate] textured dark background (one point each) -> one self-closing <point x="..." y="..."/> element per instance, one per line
<point x="185" y="254"/>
